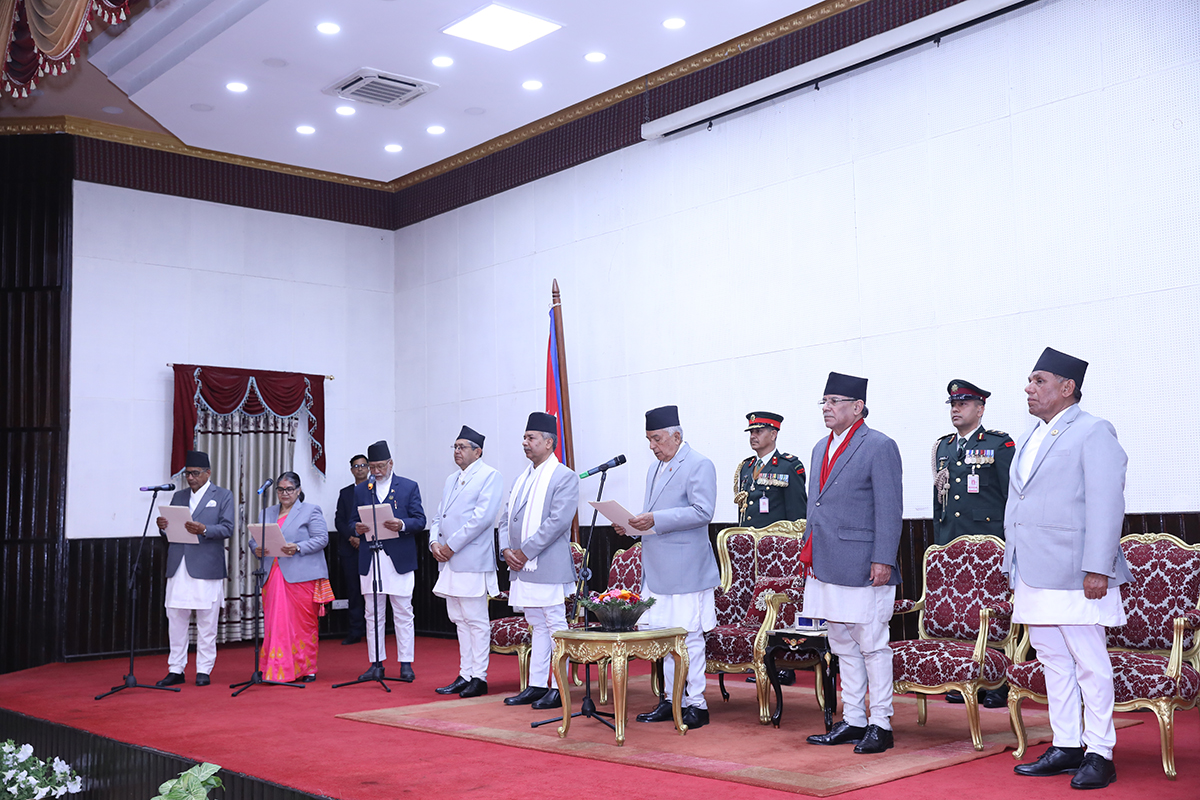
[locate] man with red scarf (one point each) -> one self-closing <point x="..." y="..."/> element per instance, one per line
<point x="852" y="541"/>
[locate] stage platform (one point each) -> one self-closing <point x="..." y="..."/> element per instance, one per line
<point x="281" y="743"/>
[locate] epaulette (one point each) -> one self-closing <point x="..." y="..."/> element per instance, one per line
<point x="749" y="460"/>
<point x="788" y="457"/>
<point x="949" y="439"/>
<point x="997" y="433"/>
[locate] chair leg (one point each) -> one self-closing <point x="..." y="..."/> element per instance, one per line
<point x="971" y="701"/>
<point x="721" y="683"/>
<point x="602" y="669"/>
<point x="1016" y="722"/>
<point x="762" y="688"/>
<point x="922" y="709"/>
<point x="819" y="671"/>
<point x="1165" y="711"/>
<point x="523" y="666"/>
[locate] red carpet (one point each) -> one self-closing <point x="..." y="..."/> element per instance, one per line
<point x="293" y="737"/>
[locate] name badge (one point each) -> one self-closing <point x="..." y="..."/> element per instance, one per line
<point x="972" y="484"/>
<point x="764" y="505"/>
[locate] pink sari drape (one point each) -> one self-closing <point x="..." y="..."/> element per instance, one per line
<point x="290" y="622"/>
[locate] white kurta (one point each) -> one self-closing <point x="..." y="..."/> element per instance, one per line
<point x="524" y="594"/>
<point x="184" y="591"/>
<point x="848" y="604"/>
<point x="465" y="584"/>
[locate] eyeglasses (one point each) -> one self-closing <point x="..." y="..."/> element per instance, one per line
<point x="358" y="466"/>
<point x="285" y="489"/>
<point x="194" y="473"/>
<point x="833" y="401"/>
<point x="459" y="447"/>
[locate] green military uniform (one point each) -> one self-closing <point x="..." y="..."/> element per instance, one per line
<point x="781" y="482"/>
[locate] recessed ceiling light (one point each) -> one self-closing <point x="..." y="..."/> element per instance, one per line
<point x="393" y="148"/>
<point x="532" y="86"/>
<point x="674" y="23"/>
<point x="345" y="111"/>
<point x="443" y="61"/>
<point x="435" y="129"/>
<point x="112" y="110"/>
<point x="329" y="28"/>
<point x="595" y="58"/>
<point x="501" y="27"/>
<point x="306" y="129"/>
<point x="236" y="86"/>
<point x="201" y="107"/>
<point x="275" y="62"/>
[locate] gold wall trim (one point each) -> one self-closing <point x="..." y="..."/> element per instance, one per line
<point x="164" y="142"/>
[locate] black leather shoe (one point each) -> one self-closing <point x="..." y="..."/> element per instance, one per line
<point x="202" y="679"/>
<point x="374" y="673"/>
<point x="527" y="696"/>
<point x="550" y="699"/>
<point x="352" y="640"/>
<point x="875" y="740"/>
<point x="661" y="713"/>
<point x="406" y="673"/>
<point x="787" y="677"/>
<point x="995" y="698"/>
<point x="840" y="734"/>
<point x="172" y="679"/>
<point x="1055" y="761"/>
<point x="308" y="679"/>
<point x="456" y="686"/>
<point x="474" y="688"/>
<point x="694" y="717"/>
<point x="1096" y="772"/>
<point x="955" y="698"/>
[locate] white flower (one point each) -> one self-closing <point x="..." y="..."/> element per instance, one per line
<point x="25" y="752"/>
<point x="42" y="792"/>
<point x="60" y="766"/>
<point x="13" y="790"/>
<point x="60" y="791"/>
<point x="75" y="785"/>
<point x="8" y="775"/>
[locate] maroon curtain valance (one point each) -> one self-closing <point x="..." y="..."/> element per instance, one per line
<point x="251" y="391"/>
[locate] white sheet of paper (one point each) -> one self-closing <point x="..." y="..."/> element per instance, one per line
<point x="615" y="512"/>
<point x="177" y="517"/>
<point x="271" y="539"/>
<point x="383" y="512"/>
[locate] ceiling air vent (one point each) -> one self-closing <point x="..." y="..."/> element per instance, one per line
<point x="380" y="88"/>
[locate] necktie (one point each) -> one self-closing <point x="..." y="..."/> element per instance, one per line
<point x="962" y="448"/>
<point x="758" y="466"/>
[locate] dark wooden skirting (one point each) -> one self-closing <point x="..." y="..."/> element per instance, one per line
<point x="114" y="770"/>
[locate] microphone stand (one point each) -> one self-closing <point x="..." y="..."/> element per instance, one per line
<point x="587" y="707"/>
<point x="260" y="578"/>
<point x="373" y="674"/>
<point x="131" y="681"/>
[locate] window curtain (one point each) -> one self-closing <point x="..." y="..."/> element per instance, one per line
<point x="43" y="37"/>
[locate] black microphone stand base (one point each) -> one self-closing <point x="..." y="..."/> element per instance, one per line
<point x="131" y="682"/>
<point x="587" y="708"/>
<point x="380" y="678"/>
<point x="256" y="680"/>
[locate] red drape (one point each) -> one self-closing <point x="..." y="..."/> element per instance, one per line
<point x="253" y="391"/>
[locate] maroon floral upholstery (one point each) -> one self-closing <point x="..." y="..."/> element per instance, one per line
<point x="1135" y="676"/>
<point x="903" y="606"/>
<point x="1166" y="585"/>
<point x="959" y="580"/>
<point x="764" y="587"/>
<point x="732" y="603"/>
<point x="730" y="644"/>
<point x="778" y="557"/>
<point x="626" y="569"/>
<point x="510" y="632"/>
<point x="932" y="662"/>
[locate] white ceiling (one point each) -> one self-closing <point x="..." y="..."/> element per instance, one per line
<point x="182" y="52"/>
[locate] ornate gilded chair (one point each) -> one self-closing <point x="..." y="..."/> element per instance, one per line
<point x="1156" y="654"/>
<point x="965" y="634"/>
<point x="625" y="572"/>
<point x="762" y="587"/>
<point x="512" y="635"/>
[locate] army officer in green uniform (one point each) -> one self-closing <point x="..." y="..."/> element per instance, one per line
<point x="768" y="486"/>
<point x="970" y="485"/>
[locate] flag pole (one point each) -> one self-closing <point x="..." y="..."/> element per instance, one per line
<point x="563" y="385"/>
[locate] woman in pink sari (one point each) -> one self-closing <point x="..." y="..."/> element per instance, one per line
<point x="297" y="586"/>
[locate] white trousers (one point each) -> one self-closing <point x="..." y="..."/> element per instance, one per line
<point x="865" y="662"/>
<point x="178" y="620"/>
<point x="694" y="688"/>
<point x="402" y="616"/>
<point x="544" y="620"/>
<point x="1078" y="671"/>
<point x="470" y="616"/>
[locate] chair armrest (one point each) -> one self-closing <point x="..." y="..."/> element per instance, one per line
<point x="500" y="598"/>
<point x="1189" y="620"/>
<point x="1001" y="610"/>
<point x="904" y="606"/>
<point x="774" y="601"/>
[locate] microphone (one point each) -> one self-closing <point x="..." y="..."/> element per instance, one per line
<point x="162" y="487"/>
<point x="266" y="483"/>
<point x="616" y="462"/>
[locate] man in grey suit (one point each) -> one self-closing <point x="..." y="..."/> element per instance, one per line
<point x="1062" y="526"/>
<point x="460" y="538"/>
<point x="852" y="539"/>
<point x="678" y="566"/>
<point x="536" y="525"/>
<point x="200" y="585"/>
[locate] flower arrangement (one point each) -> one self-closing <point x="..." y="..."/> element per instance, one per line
<point x="26" y="777"/>
<point x="616" y="609"/>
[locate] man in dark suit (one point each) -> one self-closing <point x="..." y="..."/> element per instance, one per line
<point x="348" y="541"/>
<point x="769" y="485"/>
<point x="397" y="560"/>
<point x="970" y="485"/>
<point x="1066" y="508"/>
<point x="200" y="585"/>
<point x="851" y="545"/>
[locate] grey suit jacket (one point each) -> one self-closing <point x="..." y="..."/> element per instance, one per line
<point x="206" y="558"/>
<point x="306" y="528"/>
<point x="466" y="516"/>
<point x="856" y="520"/>
<point x="551" y="542"/>
<point x="1066" y="520"/>
<point x="678" y="557"/>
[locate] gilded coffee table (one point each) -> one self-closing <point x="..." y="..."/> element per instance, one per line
<point x="592" y="646"/>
